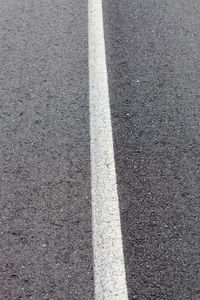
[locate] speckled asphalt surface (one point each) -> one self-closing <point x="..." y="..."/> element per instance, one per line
<point x="153" y="60"/>
<point x="45" y="211"/>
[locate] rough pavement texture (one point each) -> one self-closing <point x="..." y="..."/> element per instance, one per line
<point x="45" y="235"/>
<point x="154" y="79"/>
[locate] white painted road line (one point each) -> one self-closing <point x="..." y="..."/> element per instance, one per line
<point x="109" y="270"/>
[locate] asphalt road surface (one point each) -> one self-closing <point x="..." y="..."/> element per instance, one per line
<point x="46" y="248"/>
<point x="46" y="205"/>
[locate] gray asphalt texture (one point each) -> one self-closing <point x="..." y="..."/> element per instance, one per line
<point x="45" y="216"/>
<point x="153" y="58"/>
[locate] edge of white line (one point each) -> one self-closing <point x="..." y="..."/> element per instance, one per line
<point x="109" y="268"/>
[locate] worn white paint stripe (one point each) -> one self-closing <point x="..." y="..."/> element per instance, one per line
<point x="109" y="270"/>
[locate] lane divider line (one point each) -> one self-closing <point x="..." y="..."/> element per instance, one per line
<point x="109" y="269"/>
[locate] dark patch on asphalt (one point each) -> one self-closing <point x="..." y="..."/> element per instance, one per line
<point x="153" y="62"/>
<point x="46" y="247"/>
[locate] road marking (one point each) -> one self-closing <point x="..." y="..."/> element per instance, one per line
<point x="109" y="270"/>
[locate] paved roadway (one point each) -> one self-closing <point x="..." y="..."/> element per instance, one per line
<point x="46" y="250"/>
<point x="153" y="57"/>
<point x="153" y="63"/>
